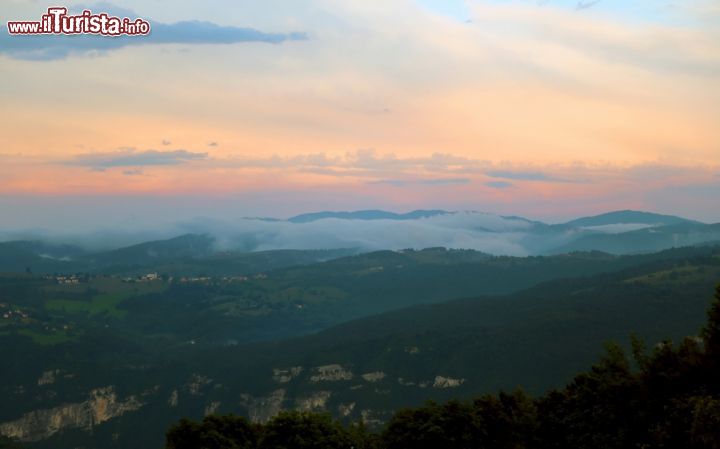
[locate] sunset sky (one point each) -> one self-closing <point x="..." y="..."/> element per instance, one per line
<point x="547" y="109"/>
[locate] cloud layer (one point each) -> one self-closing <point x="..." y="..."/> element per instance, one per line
<point x="133" y="158"/>
<point x="464" y="230"/>
<point x="471" y="230"/>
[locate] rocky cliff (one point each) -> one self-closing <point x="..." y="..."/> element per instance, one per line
<point x="102" y="405"/>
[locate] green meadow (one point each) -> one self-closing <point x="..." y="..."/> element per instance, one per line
<point x="112" y="292"/>
<point x="106" y="303"/>
<point x="52" y="339"/>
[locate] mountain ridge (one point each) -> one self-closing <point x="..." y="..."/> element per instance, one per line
<point x="370" y="214"/>
<point x="342" y="233"/>
<point x="628" y="216"/>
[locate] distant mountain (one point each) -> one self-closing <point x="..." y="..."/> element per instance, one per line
<point x="620" y="232"/>
<point x="610" y="218"/>
<point x="186" y="255"/>
<point x="38" y="256"/>
<point x="367" y="215"/>
<point x="645" y="240"/>
<point x="184" y="246"/>
<point x="535" y="223"/>
<point x="628" y="217"/>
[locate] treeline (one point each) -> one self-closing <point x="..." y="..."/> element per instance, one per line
<point x="664" y="398"/>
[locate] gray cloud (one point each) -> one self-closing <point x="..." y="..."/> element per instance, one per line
<point x="425" y="182"/>
<point x="444" y="181"/>
<point x="197" y="32"/>
<point x="130" y="158"/>
<point x="586" y="4"/>
<point x="499" y="184"/>
<point x="524" y="176"/>
<point x="53" y="47"/>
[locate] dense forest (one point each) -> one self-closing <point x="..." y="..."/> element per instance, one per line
<point x="665" y="397"/>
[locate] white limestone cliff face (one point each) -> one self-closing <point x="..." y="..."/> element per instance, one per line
<point x="197" y="382"/>
<point x="330" y="373"/>
<point x="102" y="405"/>
<point x="374" y="376"/>
<point x="211" y="408"/>
<point x="346" y="410"/>
<point x="447" y="382"/>
<point x="316" y="401"/>
<point x="262" y="409"/>
<point x="173" y="399"/>
<point x="284" y="376"/>
<point x="48" y="377"/>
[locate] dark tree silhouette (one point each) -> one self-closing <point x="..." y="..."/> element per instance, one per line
<point x="300" y="430"/>
<point x="214" y="432"/>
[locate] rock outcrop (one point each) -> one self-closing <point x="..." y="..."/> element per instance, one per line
<point x="447" y="382"/>
<point x="374" y="376"/>
<point x="102" y="405"/>
<point x="330" y="373"/>
<point x="262" y="409"/>
<point x="48" y="377"/>
<point x="316" y="401"/>
<point x="284" y="376"/>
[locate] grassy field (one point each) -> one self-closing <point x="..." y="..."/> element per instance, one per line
<point x="105" y="303"/>
<point x="55" y="338"/>
<point x="112" y="292"/>
<point x="684" y="274"/>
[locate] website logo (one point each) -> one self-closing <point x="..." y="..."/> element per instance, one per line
<point x="57" y="21"/>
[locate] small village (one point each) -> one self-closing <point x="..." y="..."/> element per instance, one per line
<point x="84" y="278"/>
<point x="10" y="312"/>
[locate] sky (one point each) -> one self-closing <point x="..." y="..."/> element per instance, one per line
<point x="548" y="109"/>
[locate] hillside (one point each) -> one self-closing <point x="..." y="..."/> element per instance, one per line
<point x="664" y="396"/>
<point x="366" y="215"/>
<point x="628" y="217"/>
<point x="221" y="307"/>
<point x="189" y="255"/>
<point x="538" y="338"/>
<point x="646" y="240"/>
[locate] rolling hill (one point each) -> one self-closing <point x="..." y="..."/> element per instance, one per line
<point x="366" y="215"/>
<point x="344" y="233"/>
<point x="538" y="338"/>
<point x="628" y="217"/>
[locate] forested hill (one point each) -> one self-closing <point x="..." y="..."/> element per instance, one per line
<point x="127" y="364"/>
<point x="665" y="397"/>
